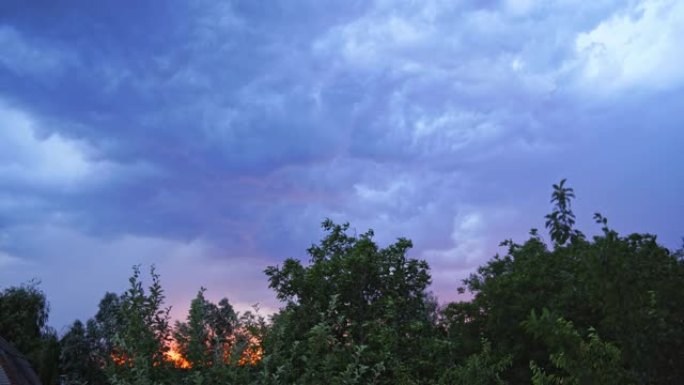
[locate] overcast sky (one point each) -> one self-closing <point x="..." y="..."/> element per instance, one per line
<point x="211" y="138"/>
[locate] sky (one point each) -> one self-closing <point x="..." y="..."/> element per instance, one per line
<point x="212" y="138"/>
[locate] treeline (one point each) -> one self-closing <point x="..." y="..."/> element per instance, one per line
<point x="573" y="310"/>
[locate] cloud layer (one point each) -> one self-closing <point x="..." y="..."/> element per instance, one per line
<point x="211" y="138"/>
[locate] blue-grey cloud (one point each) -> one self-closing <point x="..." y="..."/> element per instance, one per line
<point x="213" y="137"/>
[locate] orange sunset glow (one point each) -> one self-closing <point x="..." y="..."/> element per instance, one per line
<point x="251" y="355"/>
<point x="174" y="356"/>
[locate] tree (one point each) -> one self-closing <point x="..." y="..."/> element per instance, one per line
<point x="195" y="337"/>
<point x="131" y="339"/>
<point x="24" y="312"/>
<point x="628" y="289"/>
<point x="79" y="360"/>
<point x="23" y="317"/>
<point x="483" y="368"/>
<point x="142" y="336"/>
<point x="48" y="361"/>
<point x="574" y="359"/>
<point x="354" y="301"/>
<point x="207" y="338"/>
<point x="561" y="220"/>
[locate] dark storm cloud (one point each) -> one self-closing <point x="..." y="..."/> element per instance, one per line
<point x="218" y="135"/>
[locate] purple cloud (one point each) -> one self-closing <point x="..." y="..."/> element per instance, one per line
<point x="212" y="138"/>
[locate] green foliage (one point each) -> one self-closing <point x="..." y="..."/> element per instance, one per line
<point x="23" y="317"/>
<point x="194" y="337"/>
<point x="627" y="288"/>
<point x="575" y="360"/>
<point x="483" y="368"/>
<point x="561" y="220"/>
<point x="142" y="335"/>
<point x="74" y="354"/>
<point x="48" y="361"/>
<point x="24" y="313"/>
<point x="79" y="356"/>
<point x="86" y="350"/>
<point x="127" y="341"/>
<point x="215" y="340"/>
<point x="354" y="304"/>
<point x="325" y="355"/>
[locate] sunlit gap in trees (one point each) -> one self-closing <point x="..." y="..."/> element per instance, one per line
<point x="251" y="354"/>
<point x="176" y="358"/>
